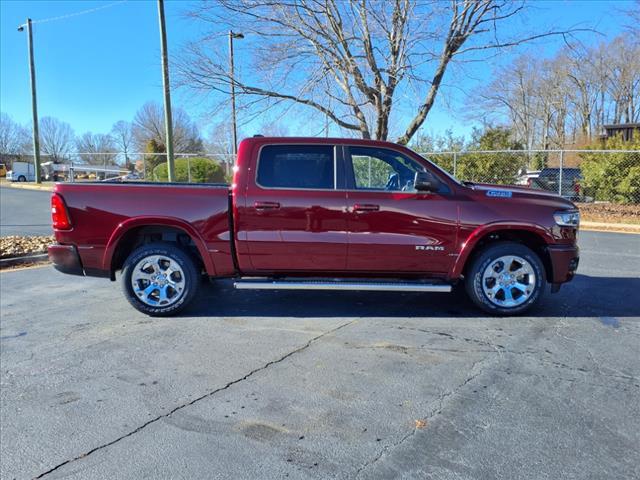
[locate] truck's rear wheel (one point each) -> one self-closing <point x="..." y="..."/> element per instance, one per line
<point x="506" y="278"/>
<point x="159" y="279"/>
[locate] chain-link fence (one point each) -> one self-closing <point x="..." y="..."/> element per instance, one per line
<point x="581" y="175"/>
<point x="111" y="166"/>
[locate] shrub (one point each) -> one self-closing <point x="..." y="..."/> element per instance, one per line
<point x="203" y="170"/>
<point x="612" y="176"/>
<point x="495" y="167"/>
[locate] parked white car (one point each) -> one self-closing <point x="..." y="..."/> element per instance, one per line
<point x="21" y="172"/>
<point x="526" y="177"/>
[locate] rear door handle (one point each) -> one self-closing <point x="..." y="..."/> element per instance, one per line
<point x="365" y="207"/>
<point x="266" y="205"/>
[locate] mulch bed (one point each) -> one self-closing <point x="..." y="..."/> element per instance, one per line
<point x="609" y="213"/>
<point x="18" y="246"/>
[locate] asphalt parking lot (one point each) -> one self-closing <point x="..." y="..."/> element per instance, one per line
<point x="24" y="212"/>
<point x="323" y="385"/>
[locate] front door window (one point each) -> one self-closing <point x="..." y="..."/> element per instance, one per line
<point x="383" y="170"/>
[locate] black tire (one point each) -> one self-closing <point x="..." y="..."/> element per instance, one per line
<point x="174" y="253"/>
<point x="22" y="178"/>
<point x="473" y="279"/>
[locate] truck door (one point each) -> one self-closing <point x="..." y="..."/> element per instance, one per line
<point x="294" y="214"/>
<point x="392" y="227"/>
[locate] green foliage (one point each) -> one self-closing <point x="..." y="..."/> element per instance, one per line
<point x="443" y="160"/>
<point x="431" y="146"/>
<point x="371" y="172"/>
<point x="152" y="161"/>
<point x="499" y="167"/>
<point x="203" y="170"/>
<point x="538" y="161"/>
<point x="615" y="176"/>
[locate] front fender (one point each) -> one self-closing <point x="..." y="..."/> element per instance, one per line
<point x="483" y="230"/>
<point x="132" y="223"/>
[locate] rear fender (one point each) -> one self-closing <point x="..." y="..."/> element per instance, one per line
<point x="132" y="223"/>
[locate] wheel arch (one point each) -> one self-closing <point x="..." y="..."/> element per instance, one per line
<point x="136" y="231"/>
<point x="535" y="237"/>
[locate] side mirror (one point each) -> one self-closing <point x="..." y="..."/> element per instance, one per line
<point x="426" y="182"/>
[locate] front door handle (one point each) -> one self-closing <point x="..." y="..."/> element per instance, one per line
<point x="266" y="205"/>
<point x="365" y="207"/>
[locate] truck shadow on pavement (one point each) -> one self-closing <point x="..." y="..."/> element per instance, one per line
<point x="585" y="296"/>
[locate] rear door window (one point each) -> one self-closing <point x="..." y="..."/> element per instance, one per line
<point x="297" y="166"/>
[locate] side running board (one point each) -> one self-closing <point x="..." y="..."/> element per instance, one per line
<point x="381" y="286"/>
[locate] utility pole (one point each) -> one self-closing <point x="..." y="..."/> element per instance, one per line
<point x="234" y="127"/>
<point x="167" y="93"/>
<point x="34" y="102"/>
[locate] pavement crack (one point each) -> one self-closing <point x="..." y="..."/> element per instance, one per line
<point x="485" y="343"/>
<point x="195" y="400"/>
<point x="435" y="411"/>
<point x="384" y="450"/>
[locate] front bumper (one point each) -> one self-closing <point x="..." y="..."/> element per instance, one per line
<point x="564" y="262"/>
<point x="65" y="259"/>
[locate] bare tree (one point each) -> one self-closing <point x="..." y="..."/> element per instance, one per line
<point x="14" y="139"/>
<point x="97" y="149"/>
<point x="122" y="134"/>
<point x="513" y="93"/>
<point x="567" y="98"/>
<point x="220" y="140"/>
<point x="148" y="125"/>
<point x="633" y="24"/>
<point x="624" y="79"/>
<point x="56" y="138"/>
<point x="354" y="61"/>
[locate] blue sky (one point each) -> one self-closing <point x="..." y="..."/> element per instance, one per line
<point x="100" y="67"/>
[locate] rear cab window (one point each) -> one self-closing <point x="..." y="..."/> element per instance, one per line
<point x="297" y="167"/>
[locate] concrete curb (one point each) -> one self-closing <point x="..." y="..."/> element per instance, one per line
<point x="610" y="227"/>
<point x="27" y="259"/>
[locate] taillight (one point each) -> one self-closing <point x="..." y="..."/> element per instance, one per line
<point x="59" y="214"/>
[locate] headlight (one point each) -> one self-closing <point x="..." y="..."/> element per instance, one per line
<point x="567" y="218"/>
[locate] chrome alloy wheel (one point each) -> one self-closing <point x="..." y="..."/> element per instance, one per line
<point x="158" y="281"/>
<point x="509" y="281"/>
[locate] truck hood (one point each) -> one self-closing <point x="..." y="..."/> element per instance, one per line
<point x="508" y="192"/>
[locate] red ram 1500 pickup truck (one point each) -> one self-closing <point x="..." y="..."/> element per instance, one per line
<point x="318" y="213"/>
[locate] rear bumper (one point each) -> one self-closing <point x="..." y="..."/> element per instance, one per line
<point x="65" y="259"/>
<point x="564" y="262"/>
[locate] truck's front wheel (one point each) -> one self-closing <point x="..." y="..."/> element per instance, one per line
<point x="159" y="279"/>
<point x="506" y="278"/>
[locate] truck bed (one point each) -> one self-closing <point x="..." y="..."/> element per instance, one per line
<point x="102" y="213"/>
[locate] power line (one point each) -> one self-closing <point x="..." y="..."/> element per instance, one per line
<point x="76" y="14"/>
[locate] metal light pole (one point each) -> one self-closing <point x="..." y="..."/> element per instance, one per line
<point x="233" y="35"/>
<point x="34" y="103"/>
<point x="167" y="94"/>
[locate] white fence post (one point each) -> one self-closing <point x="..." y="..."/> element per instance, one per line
<point x="560" y="176"/>
<point x="455" y="163"/>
